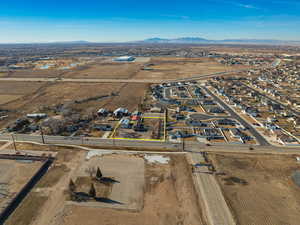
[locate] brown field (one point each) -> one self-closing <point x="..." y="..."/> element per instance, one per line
<point x="162" y="68"/>
<point x="18" y="88"/>
<point x="173" y="68"/>
<point x="169" y="199"/>
<point x="259" y="189"/>
<point x="7" y="98"/>
<point x="38" y="96"/>
<point x="168" y="196"/>
<point x="107" y="70"/>
<point x="30" y="73"/>
<point x="13" y="176"/>
<point x="52" y="182"/>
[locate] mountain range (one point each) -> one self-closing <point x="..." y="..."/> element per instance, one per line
<point x="186" y="40"/>
<point x="199" y="40"/>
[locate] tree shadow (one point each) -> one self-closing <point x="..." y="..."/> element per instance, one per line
<point x="80" y="197"/>
<point x="108" y="180"/>
<point x="107" y="200"/>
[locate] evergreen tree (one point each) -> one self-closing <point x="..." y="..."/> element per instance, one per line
<point x="92" y="192"/>
<point x="72" y="187"/>
<point x="99" y="174"/>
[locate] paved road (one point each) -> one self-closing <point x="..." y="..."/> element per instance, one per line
<point x="201" y="116"/>
<point x="91" y="141"/>
<point x="261" y="140"/>
<point x="151" y="145"/>
<point x="80" y="80"/>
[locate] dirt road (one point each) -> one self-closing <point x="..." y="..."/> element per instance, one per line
<point x="216" y="209"/>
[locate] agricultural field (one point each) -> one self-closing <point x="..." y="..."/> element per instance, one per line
<point x="260" y="189"/>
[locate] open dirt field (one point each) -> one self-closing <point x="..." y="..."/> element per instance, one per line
<point x="29" y="73"/>
<point x="169" y="195"/>
<point x="49" y="190"/>
<point x="169" y="199"/>
<point x="8" y="98"/>
<point x="173" y="68"/>
<point x="166" y="192"/>
<point x="127" y="190"/>
<point x="18" y="88"/>
<point x="108" y="70"/>
<point x="157" y="68"/>
<point x="13" y="176"/>
<point x="259" y="188"/>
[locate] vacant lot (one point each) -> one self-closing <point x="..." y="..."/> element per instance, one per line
<point x="150" y="193"/>
<point x="112" y="70"/>
<point x="173" y="68"/>
<point x="47" y="196"/>
<point x="13" y="176"/>
<point x="127" y="190"/>
<point x="169" y="198"/>
<point x="260" y="189"/>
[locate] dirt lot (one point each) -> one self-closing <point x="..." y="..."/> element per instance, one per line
<point x="49" y="192"/>
<point x="13" y="176"/>
<point x="168" y="194"/>
<point x="259" y="189"/>
<point x="127" y="190"/>
<point x="169" y="198"/>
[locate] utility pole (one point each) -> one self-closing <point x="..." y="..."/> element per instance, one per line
<point x="14" y="143"/>
<point x="43" y="139"/>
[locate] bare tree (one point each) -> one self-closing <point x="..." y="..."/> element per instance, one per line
<point x="91" y="171"/>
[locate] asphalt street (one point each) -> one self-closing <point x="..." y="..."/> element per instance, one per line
<point x="261" y="140"/>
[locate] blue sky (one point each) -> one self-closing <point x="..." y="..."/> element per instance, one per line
<point x="105" y="21"/>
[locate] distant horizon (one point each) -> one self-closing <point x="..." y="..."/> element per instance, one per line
<point x="35" y="21"/>
<point x="157" y="37"/>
